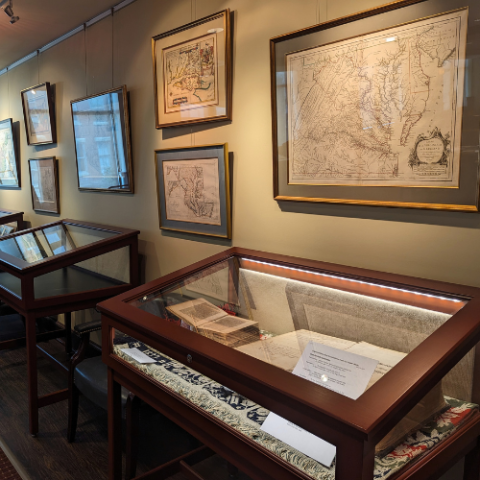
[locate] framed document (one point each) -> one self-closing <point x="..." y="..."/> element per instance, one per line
<point x="44" y="184"/>
<point x="37" y="102"/>
<point x="372" y="109"/>
<point x="9" y="164"/>
<point x="101" y="128"/>
<point x="192" y="72"/>
<point x="193" y="185"/>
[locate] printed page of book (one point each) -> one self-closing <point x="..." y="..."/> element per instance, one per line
<point x="197" y="312"/>
<point x="285" y="350"/>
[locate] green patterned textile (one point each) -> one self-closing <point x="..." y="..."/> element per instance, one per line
<point x="247" y="417"/>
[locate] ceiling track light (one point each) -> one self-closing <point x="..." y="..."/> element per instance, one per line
<point x="6" y="5"/>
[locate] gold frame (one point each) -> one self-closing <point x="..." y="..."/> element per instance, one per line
<point x="322" y="190"/>
<point x="226" y="179"/>
<point x="128" y="142"/>
<point x="228" y="71"/>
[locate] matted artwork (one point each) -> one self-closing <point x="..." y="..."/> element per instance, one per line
<point x="44" y="184"/>
<point x="37" y="102"/>
<point x="101" y="128"/>
<point x="9" y="164"/>
<point x="193" y="189"/>
<point x="192" y="72"/>
<point x="381" y="108"/>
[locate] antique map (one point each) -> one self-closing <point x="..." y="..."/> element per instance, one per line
<point x="8" y="167"/>
<point x="380" y="109"/>
<point x="192" y="191"/>
<point x="190" y="74"/>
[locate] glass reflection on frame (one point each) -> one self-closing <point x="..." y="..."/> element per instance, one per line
<point x="102" y="141"/>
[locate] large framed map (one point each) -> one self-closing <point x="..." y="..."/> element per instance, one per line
<point x="371" y="109"/>
<point x="39" y="115"/>
<point x="194" y="190"/>
<point x="9" y="164"/>
<point x="192" y="72"/>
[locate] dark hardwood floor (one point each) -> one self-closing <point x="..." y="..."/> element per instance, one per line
<point x="50" y="457"/>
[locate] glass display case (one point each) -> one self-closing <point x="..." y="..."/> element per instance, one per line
<point x="10" y="221"/>
<point x="291" y="368"/>
<point x="60" y="268"/>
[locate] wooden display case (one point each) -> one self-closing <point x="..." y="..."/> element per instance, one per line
<point x="60" y="268"/>
<point x="11" y="216"/>
<point x="432" y="327"/>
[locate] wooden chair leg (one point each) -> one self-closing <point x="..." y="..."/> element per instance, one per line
<point x="73" y="396"/>
<point x="132" y="414"/>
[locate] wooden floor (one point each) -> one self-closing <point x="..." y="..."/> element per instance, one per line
<point x="50" y="457"/>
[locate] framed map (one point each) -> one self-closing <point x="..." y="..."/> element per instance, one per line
<point x="9" y="164"/>
<point x="192" y="72"/>
<point x="101" y="128"/>
<point x="374" y="101"/>
<point x="194" y="190"/>
<point x="44" y="184"/>
<point x="38" y="112"/>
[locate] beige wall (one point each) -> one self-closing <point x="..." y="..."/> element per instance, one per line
<point x="438" y="245"/>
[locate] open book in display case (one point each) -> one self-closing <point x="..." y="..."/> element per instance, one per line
<point x="298" y="369"/>
<point x="60" y="268"/>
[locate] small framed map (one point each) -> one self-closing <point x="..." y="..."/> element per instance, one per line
<point x="371" y="109"/>
<point x="39" y="115"/>
<point x="9" y="163"/>
<point x="192" y="72"/>
<point x="194" y="190"/>
<point x="44" y="184"/>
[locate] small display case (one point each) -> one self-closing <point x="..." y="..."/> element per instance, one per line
<point x="298" y="369"/>
<point x="10" y="221"/>
<point x="59" y="268"/>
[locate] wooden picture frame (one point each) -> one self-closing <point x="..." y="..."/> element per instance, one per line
<point x="193" y="187"/>
<point x="345" y="142"/>
<point x="9" y="160"/>
<point x="206" y="96"/>
<point x="103" y="150"/>
<point x="44" y="184"/>
<point x="39" y="114"/>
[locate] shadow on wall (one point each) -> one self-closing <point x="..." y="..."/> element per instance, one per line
<point x="404" y="215"/>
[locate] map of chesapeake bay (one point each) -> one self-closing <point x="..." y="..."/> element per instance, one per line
<point x="192" y="191"/>
<point x="380" y="109"/>
<point x="190" y="74"/>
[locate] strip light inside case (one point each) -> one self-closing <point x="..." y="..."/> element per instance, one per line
<point x="326" y="275"/>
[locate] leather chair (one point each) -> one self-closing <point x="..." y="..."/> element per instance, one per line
<point x="89" y="377"/>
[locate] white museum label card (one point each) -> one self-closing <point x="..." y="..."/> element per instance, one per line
<point x="338" y="370"/>
<point x="137" y="355"/>
<point x="341" y="371"/>
<point x="298" y="438"/>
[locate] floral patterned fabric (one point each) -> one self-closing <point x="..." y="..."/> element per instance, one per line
<point x="247" y="417"/>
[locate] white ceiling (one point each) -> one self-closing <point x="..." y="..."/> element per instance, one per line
<point x="42" y="21"/>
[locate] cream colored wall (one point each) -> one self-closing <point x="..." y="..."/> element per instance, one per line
<point x="438" y="245"/>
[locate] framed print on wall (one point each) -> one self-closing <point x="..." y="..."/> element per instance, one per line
<point x="37" y="102"/>
<point x="379" y="108"/>
<point x="193" y="185"/>
<point x="44" y="184"/>
<point x="193" y="73"/>
<point x="101" y="128"/>
<point x="9" y="163"/>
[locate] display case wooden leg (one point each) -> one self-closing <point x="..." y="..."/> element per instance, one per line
<point x="471" y="469"/>
<point x="114" y="428"/>
<point x="32" y="374"/>
<point x="355" y="461"/>
<point x="133" y="416"/>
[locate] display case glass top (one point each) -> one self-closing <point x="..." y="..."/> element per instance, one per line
<point x="261" y="342"/>
<point x="33" y="246"/>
